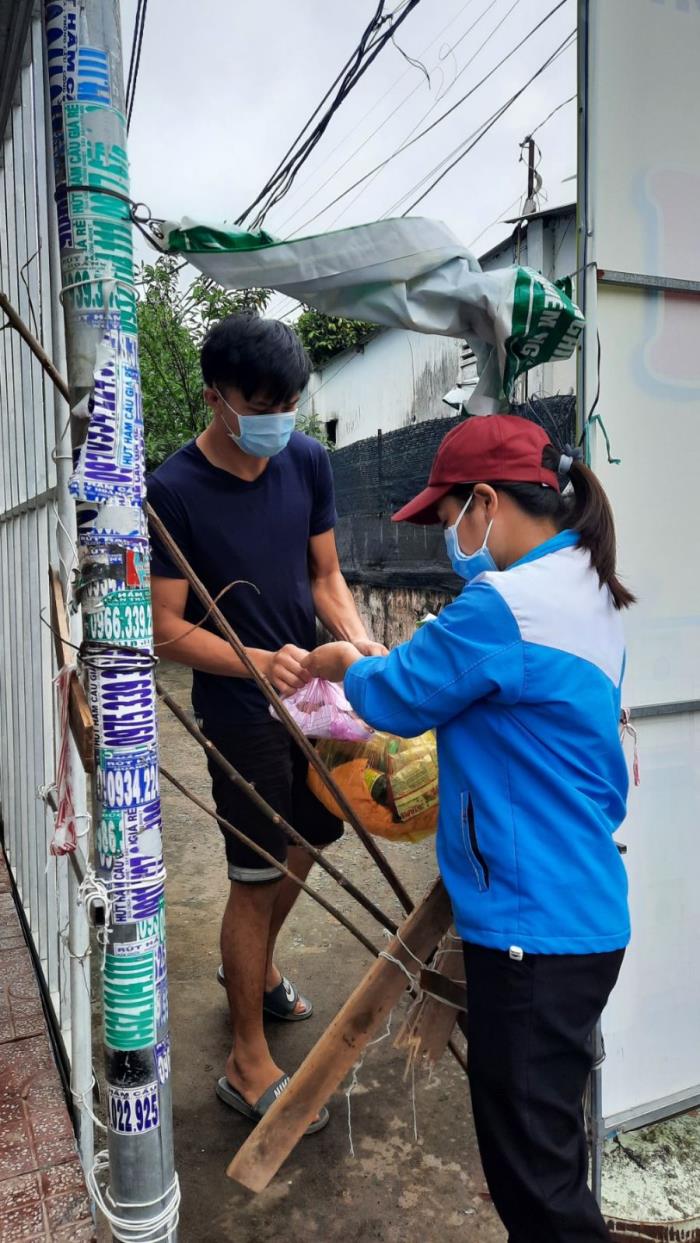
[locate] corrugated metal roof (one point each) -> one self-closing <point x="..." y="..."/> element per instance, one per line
<point x="564" y="210"/>
<point x="567" y="209"/>
<point x="15" y="16"/>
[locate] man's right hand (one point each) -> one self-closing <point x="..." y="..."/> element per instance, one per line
<point x="285" y="669"/>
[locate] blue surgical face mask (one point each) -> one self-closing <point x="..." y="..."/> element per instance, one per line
<point x="468" y="565"/>
<point x="261" y="435"/>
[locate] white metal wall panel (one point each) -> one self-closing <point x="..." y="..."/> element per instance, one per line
<point x="653" y="1019"/>
<point x="28" y="729"/>
<point x="643" y="186"/>
<point x="644" y="142"/>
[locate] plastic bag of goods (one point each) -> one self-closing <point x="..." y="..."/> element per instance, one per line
<point x="392" y="783"/>
<point x="321" y="710"/>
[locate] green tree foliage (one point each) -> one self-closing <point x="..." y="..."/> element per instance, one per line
<point x="173" y="321"/>
<point x="324" y="336"/>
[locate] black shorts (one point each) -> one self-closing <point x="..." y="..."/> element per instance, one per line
<point x="267" y="757"/>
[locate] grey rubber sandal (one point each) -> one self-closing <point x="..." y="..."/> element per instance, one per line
<point x="279" y="1003"/>
<point x="255" y="1112"/>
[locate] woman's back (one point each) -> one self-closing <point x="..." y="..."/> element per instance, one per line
<point x="521" y="676"/>
<point x="535" y="772"/>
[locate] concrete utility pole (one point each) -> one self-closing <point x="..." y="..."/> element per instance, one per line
<point x="86" y="98"/>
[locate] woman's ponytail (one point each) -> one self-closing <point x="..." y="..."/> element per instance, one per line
<point x="591" y="516"/>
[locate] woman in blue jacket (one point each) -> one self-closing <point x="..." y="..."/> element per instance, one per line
<point x="521" y="677"/>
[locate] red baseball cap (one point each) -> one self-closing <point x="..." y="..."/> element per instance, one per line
<point x="492" y="448"/>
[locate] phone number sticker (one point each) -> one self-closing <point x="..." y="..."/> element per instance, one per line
<point x="126" y="780"/>
<point x="132" y="1111"/>
<point x="162" y="1059"/>
<point x="125" y="617"/>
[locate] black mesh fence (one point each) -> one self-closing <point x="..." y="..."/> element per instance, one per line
<point x="374" y="477"/>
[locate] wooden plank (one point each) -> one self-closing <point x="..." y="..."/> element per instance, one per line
<point x="341" y="1045"/>
<point x="430" y="1024"/>
<point x="453" y="994"/>
<point x="81" y="722"/>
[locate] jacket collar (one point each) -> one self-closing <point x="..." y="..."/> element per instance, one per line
<point x="565" y="539"/>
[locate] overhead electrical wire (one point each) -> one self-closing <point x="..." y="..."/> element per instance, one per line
<point x="568" y="42"/>
<point x="438" y="120"/>
<point x="554" y="111"/>
<point x="426" y="114"/>
<point x="278" y="309"/>
<point x="135" y="59"/>
<point x="402" y="102"/>
<point x="299" y="185"/>
<point x="496" y="220"/>
<point x="359" y="51"/>
<point x="476" y="134"/>
<point x="374" y="38"/>
<point x="398" y="107"/>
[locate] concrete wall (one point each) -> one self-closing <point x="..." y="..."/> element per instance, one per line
<point x="397" y="379"/>
<point x="392" y="614"/>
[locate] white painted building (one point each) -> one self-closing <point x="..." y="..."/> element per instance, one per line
<point x="399" y="377"/>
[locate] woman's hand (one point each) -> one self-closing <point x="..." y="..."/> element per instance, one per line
<point x="331" y="661"/>
<point x="367" y="647"/>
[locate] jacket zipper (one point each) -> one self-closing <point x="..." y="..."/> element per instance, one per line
<point x="474" y="843"/>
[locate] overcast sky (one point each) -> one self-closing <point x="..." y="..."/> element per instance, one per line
<point x="225" y="86"/>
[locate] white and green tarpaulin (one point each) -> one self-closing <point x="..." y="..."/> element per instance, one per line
<point x="406" y="273"/>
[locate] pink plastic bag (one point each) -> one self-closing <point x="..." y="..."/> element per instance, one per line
<point x="321" y="710"/>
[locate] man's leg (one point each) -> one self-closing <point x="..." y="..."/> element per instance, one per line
<point x="299" y="862"/>
<point x="320" y="828"/>
<point x="261" y="753"/>
<point x="529" y="1058"/>
<point x="245" y="934"/>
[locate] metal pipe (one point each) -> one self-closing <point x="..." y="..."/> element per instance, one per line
<point x="108" y="484"/>
<point x="588" y="390"/>
<point x="587" y="286"/>
<point x="36" y="347"/>
<point x="596" y="1120"/>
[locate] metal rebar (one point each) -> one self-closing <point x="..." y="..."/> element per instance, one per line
<point x="272" y="861"/>
<point x="313" y="893"/>
<point x="34" y="344"/>
<point x="229" y="634"/>
<point x="232" y="773"/>
<point x="281" y="710"/>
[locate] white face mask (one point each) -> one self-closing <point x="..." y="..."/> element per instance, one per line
<point x="261" y="435"/>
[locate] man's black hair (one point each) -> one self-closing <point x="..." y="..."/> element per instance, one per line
<point x="255" y="355"/>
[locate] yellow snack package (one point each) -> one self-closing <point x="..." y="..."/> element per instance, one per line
<point x="391" y="782"/>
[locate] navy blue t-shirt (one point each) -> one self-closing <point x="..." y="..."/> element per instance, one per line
<point x="259" y="531"/>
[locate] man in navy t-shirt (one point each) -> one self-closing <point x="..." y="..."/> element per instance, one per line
<point x="251" y="502"/>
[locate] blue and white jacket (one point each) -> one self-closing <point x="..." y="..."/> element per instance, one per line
<point x="521" y="677"/>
